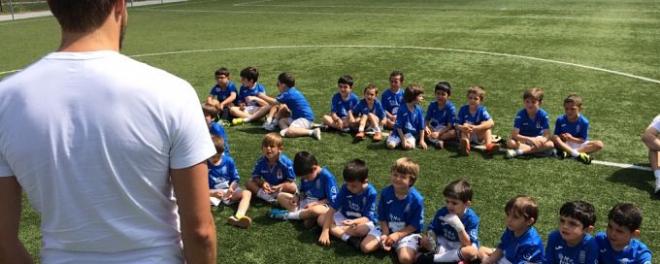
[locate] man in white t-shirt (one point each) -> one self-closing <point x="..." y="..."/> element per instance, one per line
<point x="102" y="157"/>
<point x="651" y="138"/>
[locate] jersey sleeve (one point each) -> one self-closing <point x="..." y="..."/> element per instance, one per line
<point x="429" y="112"/>
<point x="416" y="216"/>
<point x="212" y="91"/>
<point x="545" y="121"/>
<point x="459" y="117"/>
<point x="472" y="229"/>
<point x="232" y="171"/>
<point x="379" y="111"/>
<point x="400" y="121"/>
<point x="549" y="258"/>
<point x="331" y="189"/>
<point x="386" y="103"/>
<point x="529" y="254"/>
<point x="485" y="116"/>
<point x="452" y="116"/>
<point x="420" y="120"/>
<point x="558" y="126"/>
<point x="287" y="170"/>
<point x="190" y="139"/>
<point x="434" y="222"/>
<point x="283" y="98"/>
<point x="334" y="104"/>
<point x="656" y="123"/>
<point x="339" y="200"/>
<point x="369" y="209"/>
<point x="382" y="210"/>
<point x="584" y="133"/>
<point x="256" y="170"/>
<point x="517" y="121"/>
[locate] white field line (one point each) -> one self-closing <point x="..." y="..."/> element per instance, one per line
<point x="605" y="163"/>
<point x="390" y="14"/>
<point x="250" y="3"/>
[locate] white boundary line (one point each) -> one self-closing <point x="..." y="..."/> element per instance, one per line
<point x="250" y="3"/>
<point x="498" y="54"/>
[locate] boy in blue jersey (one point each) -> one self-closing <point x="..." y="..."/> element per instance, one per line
<point x="294" y="115"/>
<point x="369" y="110"/>
<point x="223" y="184"/>
<point x="400" y="214"/>
<point x="441" y="116"/>
<point x="223" y="93"/>
<point x="453" y="233"/>
<point x="249" y="104"/>
<point x="531" y="127"/>
<point x="215" y="128"/>
<point x="318" y="189"/>
<point x="520" y="243"/>
<point x="273" y="172"/>
<point x="473" y="123"/>
<point x="572" y="243"/>
<point x="571" y="132"/>
<point x="620" y="244"/>
<point x="341" y="107"/>
<point x="409" y="126"/>
<point x="353" y="213"/>
<point x="392" y="98"/>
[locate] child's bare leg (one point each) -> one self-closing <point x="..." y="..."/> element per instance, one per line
<point x="485" y="252"/>
<point x="298" y="132"/>
<point x="252" y="186"/>
<point x="288" y="187"/>
<point x="470" y="253"/>
<point x="327" y="120"/>
<point x="389" y="123"/>
<point x="374" y="121"/>
<point x="236" y="111"/>
<point x="406" y="255"/>
<point x="244" y="197"/>
<point x="485" y="136"/>
<point x="654" y="160"/>
<point x="362" y="123"/>
<point x="313" y="211"/>
<point x="370" y="244"/>
<point x="288" y="201"/>
<point x="561" y="144"/>
<point x="259" y="113"/>
<point x="591" y="146"/>
<point x="448" y="135"/>
<point x="359" y="231"/>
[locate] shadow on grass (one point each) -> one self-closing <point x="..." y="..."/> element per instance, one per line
<point x="253" y="130"/>
<point x="635" y="178"/>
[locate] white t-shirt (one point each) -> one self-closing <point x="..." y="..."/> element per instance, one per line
<point x="656" y="123"/>
<point x="90" y="137"/>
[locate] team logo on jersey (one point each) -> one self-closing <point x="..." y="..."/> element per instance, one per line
<point x="582" y="256"/>
<point x="389" y="202"/>
<point x="558" y="247"/>
<point x="626" y="261"/>
<point x="279" y="175"/>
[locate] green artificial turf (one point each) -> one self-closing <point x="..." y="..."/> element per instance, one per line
<point x="463" y="42"/>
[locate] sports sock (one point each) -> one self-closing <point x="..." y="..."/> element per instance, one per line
<point x="345" y="237"/>
<point x="447" y="256"/>
<point x="574" y="153"/>
<point x="239" y="216"/>
<point x="269" y="120"/>
<point x="519" y="152"/>
<point x="657" y="180"/>
<point x="657" y="173"/>
<point x="294" y="215"/>
<point x="310" y="132"/>
<point x="247" y="119"/>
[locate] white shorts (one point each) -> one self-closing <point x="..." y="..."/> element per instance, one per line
<point x="438" y="128"/>
<point x="576" y="146"/>
<point x="300" y="123"/>
<point x="216" y="201"/>
<point x="474" y="139"/>
<point x="305" y="201"/>
<point x="394" y="140"/>
<point x="444" y="245"/>
<point x="339" y="218"/>
<point x="410" y="241"/>
<point x="251" y="109"/>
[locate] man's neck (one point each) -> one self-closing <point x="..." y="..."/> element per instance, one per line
<point x="99" y="39"/>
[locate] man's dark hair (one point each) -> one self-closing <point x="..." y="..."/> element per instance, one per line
<point x="81" y="15"/>
<point x="304" y="163"/>
<point x="250" y="73"/>
<point x="581" y="211"/>
<point x="356" y="170"/>
<point x="626" y="214"/>
<point x="287" y="79"/>
<point x="345" y="79"/>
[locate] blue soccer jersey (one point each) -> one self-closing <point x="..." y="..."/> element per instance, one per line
<point x="297" y="103"/>
<point x="438" y="117"/>
<point x="635" y="252"/>
<point x="323" y="187"/>
<point x="578" y="129"/>
<point x="558" y="252"/>
<point x="531" y="127"/>
<point x="409" y="121"/>
<point x="221" y="176"/>
<point x="399" y="213"/>
<point x="249" y="91"/>
<point x="464" y="115"/>
<point x="217" y="129"/>
<point x="528" y="248"/>
<point x="391" y="100"/>
<point x="362" y="108"/>
<point x="222" y="94"/>
<point x="470" y="220"/>
<point x="354" y="206"/>
<point x="280" y="172"/>
<point x="341" y="107"/>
